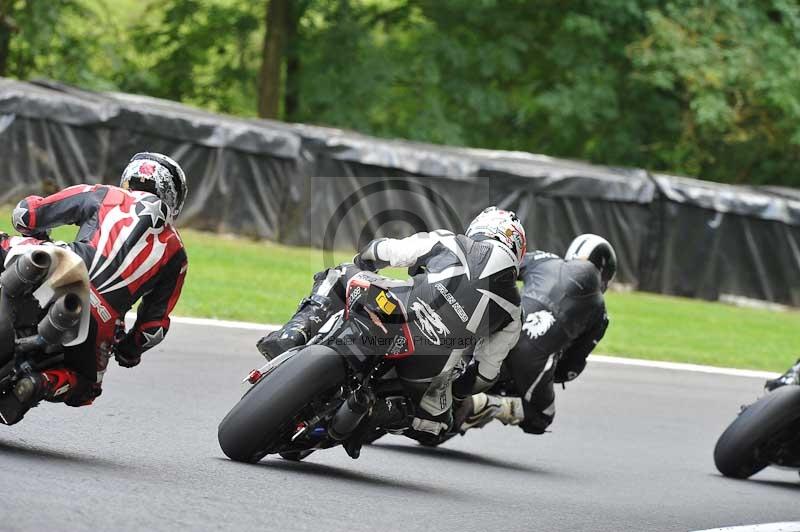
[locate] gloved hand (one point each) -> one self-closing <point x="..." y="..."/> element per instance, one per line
<point x="127" y="360"/>
<point x="368" y="258"/>
<point x="38" y="234"/>
<point x="470" y="382"/>
<point x="364" y="264"/>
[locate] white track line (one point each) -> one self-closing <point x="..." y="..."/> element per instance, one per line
<point x="603" y="359"/>
<point x="224" y="324"/>
<point x="678" y="366"/>
<point x="766" y="527"/>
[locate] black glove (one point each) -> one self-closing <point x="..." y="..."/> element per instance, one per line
<point x="127" y="360"/>
<point x="368" y="258"/>
<point x="470" y="382"/>
<point x="40" y="234"/>
<point x="365" y="264"/>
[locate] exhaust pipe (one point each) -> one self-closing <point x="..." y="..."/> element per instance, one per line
<point x="25" y="274"/>
<point x="62" y="320"/>
<point x="349" y="415"/>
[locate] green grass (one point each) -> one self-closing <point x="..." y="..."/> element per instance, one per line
<point x="241" y="279"/>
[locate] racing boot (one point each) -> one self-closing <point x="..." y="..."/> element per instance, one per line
<point x="311" y="314"/>
<point x="52" y="385"/>
<point x="478" y="410"/>
<point x="304" y="325"/>
<point x="388" y="415"/>
<point x="792" y="376"/>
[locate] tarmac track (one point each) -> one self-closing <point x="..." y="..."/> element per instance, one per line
<point x="630" y="450"/>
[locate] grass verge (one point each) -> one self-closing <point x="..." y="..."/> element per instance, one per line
<point x="240" y="279"/>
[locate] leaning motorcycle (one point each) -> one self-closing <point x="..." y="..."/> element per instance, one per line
<point x="44" y="307"/>
<point x="322" y="394"/>
<point x="765" y="433"/>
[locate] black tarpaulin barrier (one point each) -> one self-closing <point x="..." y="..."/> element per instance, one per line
<point x="716" y="240"/>
<point x="330" y="188"/>
<point x="561" y="199"/>
<point x="366" y="187"/>
<point x="241" y="171"/>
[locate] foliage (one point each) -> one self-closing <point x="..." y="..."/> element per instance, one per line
<point x="698" y="87"/>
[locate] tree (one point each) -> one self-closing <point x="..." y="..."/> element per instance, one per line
<point x="200" y="52"/>
<point x="274" y="51"/>
<point x="730" y="69"/>
<point x="701" y="87"/>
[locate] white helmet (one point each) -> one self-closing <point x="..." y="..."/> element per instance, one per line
<point x="599" y="252"/>
<point x="158" y="174"/>
<point x="503" y="226"/>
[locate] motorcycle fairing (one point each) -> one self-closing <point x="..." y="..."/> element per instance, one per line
<point x="373" y="296"/>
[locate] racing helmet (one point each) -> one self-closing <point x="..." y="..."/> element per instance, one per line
<point x="599" y="252"/>
<point x="158" y="174"/>
<point x="503" y="226"/>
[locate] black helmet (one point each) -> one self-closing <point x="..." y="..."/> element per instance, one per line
<point x="159" y="174"/>
<point x="599" y="252"/>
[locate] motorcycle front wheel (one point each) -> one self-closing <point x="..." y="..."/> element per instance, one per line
<point x="257" y="422"/>
<point x="740" y="451"/>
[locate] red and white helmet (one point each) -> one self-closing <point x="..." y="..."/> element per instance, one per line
<point x="158" y="174"/>
<point x="503" y="226"/>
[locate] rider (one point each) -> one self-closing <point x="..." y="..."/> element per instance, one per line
<point x="464" y="294"/>
<point x="131" y="251"/>
<point x="565" y="318"/>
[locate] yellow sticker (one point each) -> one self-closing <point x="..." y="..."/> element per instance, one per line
<point x="383" y="302"/>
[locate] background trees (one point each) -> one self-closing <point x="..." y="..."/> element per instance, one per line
<point x="709" y="88"/>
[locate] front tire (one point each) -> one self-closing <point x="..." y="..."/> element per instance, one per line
<point x="737" y="451"/>
<point x="255" y="423"/>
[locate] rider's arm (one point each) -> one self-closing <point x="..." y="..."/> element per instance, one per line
<point x="492" y="350"/>
<point x="403" y="252"/>
<point x="573" y="360"/>
<point x="152" y="317"/>
<point x="487" y="358"/>
<point x="71" y="206"/>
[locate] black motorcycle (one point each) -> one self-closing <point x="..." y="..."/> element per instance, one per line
<point x="44" y="306"/>
<point x="766" y="432"/>
<point x="327" y="392"/>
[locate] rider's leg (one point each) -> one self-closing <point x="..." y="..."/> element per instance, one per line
<point x="425" y="416"/>
<point x="325" y="299"/>
<point x="530" y="367"/>
<point x="74" y="384"/>
<point x="427" y="380"/>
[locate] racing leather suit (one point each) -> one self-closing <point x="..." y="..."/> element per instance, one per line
<point x="462" y="300"/>
<point x="565" y="318"/>
<point x="131" y="251"/>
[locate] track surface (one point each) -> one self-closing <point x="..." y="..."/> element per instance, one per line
<point x="630" y="450"/>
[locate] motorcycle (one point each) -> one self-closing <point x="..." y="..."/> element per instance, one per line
<point x="325" y="393"/>
<point x="765" y="433"/>
<point x="44" y="307"/>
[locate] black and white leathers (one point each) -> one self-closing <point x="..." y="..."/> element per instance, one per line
<point x="464" y="297"/>
<point x="565" y="318"/>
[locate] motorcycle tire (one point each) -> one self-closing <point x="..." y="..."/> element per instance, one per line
<point x="249" y="430"/>
<point x="737" y="454"/>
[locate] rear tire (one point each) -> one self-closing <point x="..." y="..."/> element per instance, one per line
<point x="736" y="452"/>
<point x="255" y="423"/>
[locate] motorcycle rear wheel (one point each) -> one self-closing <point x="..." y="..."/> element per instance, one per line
<point x="256" y="423"/>
<point x="738" y="451"/>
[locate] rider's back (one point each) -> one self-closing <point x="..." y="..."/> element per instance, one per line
<point x="571" y="290"/>
<point x="124" y="237"/>
<point x="464" y="289"/>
